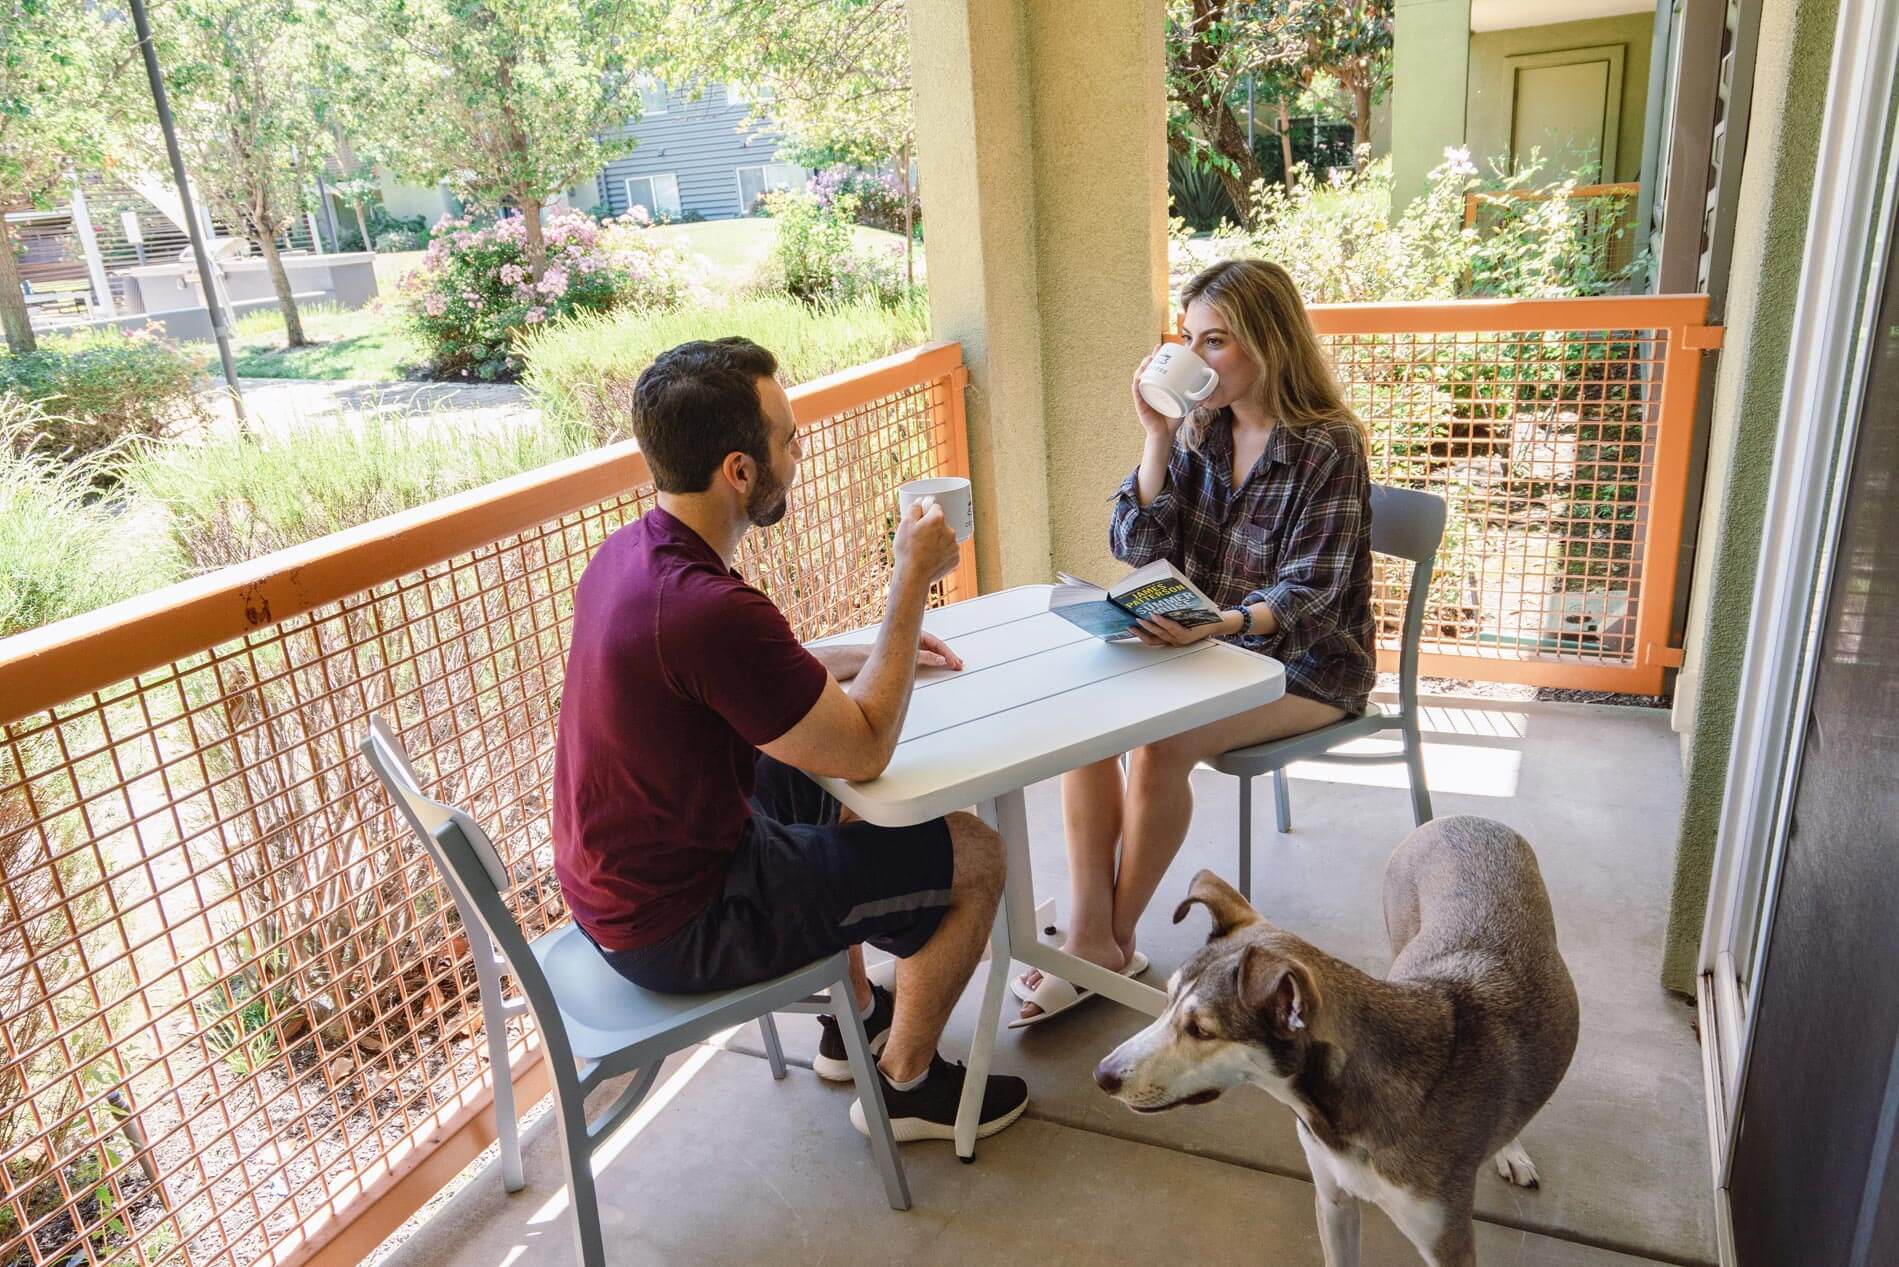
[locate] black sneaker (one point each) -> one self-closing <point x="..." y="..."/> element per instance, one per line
<point x="929" y="1111"/>
<point x="833" y="1063"/>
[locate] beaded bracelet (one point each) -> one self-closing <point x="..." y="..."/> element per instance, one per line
<point x="1246" y="621"/>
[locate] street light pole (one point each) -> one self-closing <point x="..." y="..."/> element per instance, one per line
<point x="220" y="330"/>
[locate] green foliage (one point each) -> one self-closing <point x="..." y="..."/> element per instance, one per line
<point x="231" y="499"/>
<point x="100" y="388"/>
<point x="1340" y="244"/>
<point x="396" y="240"/>
<point x="63" y="549"/>
<point x="240" y="1012"/>
<point x="526" y="98"/>
<point x="583" y="371"/>
<point x="838" y="71"/>
<point x="63" y="94"/>
<point x="815" y="257"/>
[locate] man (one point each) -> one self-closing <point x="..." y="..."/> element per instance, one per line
<point x="691" y="846"/>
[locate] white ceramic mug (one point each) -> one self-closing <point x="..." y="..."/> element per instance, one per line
<point x="952" y="493"/>
<point x="1176" y="380"/>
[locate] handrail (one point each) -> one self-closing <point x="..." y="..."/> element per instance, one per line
<point x="47" y="666"/>
<point x="1460" y="316"/>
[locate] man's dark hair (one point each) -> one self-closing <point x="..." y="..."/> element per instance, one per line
<point x="697" y="403"/>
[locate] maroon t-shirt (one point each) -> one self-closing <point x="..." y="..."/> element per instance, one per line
<point x="677" y="672"/>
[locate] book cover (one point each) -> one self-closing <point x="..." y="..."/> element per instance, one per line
<point x="1159" y="589"/>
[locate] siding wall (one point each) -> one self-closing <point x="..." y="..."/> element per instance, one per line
<point x="702" y="143"/>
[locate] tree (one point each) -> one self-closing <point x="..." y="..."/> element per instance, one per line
<point x="837" y="71"/>
<point x="832" y="75"/>
<point x="247" y="123"/>
<point x="1212" y="45"/>
<point x="510" y="102"/>
<point x="1345" y="41"/>
<point x="62" y="93"/>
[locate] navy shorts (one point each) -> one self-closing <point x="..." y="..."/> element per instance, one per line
<point x="801" y="886"/>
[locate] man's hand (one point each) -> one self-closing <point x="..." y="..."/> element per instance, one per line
<point x="1158" y="631"/>
<point x="925" y="548"/>
<point x="934" y="653"/>
<point x="847" y="661"/>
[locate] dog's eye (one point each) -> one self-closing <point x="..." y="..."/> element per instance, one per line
<point x="1196" y="1030"/>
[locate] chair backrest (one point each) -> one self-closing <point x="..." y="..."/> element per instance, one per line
<point x="1409" y="524"/>
<point x="467" y="859"/>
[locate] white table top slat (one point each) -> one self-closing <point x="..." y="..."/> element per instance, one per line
<point x="1038" y="697"/>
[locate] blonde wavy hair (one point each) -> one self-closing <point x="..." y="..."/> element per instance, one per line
<point x="1259" y="304"/>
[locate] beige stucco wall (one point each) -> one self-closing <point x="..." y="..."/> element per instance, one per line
<point x="1487" y="105"/>
<point x="1042" y="157"/>
<point x="1790" y="82"/>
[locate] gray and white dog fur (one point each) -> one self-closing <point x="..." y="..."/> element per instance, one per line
<point x="1403" y="1087"/>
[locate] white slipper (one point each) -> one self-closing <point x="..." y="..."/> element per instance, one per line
<point x="1055" y="996"/>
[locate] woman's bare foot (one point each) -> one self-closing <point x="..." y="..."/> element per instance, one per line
<point x="1108" y="954"/>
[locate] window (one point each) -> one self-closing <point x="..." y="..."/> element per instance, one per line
<point x="652" y="98"/>
<point x="747" y="94"/>
<point x="755" y="182"/>
<point x="658" y="193"/>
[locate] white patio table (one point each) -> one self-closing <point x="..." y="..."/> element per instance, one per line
<point x="1037" y="697"/>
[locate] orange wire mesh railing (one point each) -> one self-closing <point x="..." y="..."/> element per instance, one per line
<point x="1558" y="431"/>
<point x="241" y="1022"/>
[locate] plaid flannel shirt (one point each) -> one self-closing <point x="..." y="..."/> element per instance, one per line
<point x="1296" y="535"/>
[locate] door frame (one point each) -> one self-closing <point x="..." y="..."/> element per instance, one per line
<point x="1848" y="243"/>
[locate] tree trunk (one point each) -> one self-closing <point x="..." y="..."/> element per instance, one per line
<point x="363" y="225"/>
<point x="1285" y="140"/>
<point x="293" y="322"/>
<point x="1229" y="141"/>
<point x="1361" y="124"/>
<point x="13" y="315"/>
<point x="533" y="242"/>
<point x="909" y="230"/>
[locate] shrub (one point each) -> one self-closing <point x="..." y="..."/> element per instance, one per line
<point x="1340" y="243"/>
<point x="880" y="197"/>
<point x="647" y="274"/>
<point x="99" y="388"/>
<point x="583" y="371"/>
<point x="64" y="549"/>
<point x="400" y="240"/>
<point x="473" y="293"/>
<point x="815" y="257"/>
<point x="234" y="498"/>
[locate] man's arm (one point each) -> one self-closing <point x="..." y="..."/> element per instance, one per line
<point x="852" y="734"/>
<point x="846" y="661"/>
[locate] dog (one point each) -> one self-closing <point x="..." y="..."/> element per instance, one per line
<point x="1403" y="1088"/>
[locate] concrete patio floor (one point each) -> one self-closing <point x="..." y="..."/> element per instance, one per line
<point x="732" y="1167"/>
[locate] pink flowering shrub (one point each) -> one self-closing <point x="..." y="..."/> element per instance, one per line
<point x="474" y="293"/>
<point x="651" y="275"/>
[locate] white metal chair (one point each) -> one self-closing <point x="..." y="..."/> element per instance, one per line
<point x="594" y="1023"/>
<point x="1409" y="525"/>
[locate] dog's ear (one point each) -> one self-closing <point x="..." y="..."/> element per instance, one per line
<point x="1223" y="902"/>
<point x="1282" y="989"/>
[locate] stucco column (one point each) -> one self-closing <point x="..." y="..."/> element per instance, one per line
<point x="1041" y="133"/>
<point x="1430" y="73"/>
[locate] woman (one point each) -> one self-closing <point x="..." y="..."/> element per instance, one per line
<point x="1262" y="497"/>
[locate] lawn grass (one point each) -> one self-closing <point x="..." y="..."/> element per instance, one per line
<point x="736" y="248"/>
<point x="363" y="343"/>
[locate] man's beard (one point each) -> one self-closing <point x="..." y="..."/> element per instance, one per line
<point x="769" y="500"/>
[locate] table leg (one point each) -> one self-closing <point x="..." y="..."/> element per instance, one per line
<point x="982" y="1043"/>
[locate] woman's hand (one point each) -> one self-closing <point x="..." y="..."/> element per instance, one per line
<point x="1155" y="423"/>
<point x="1158" y="631"/>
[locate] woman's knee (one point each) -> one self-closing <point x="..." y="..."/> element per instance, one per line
<point x="1167" y="762"/>
<point x="979" y="857"/>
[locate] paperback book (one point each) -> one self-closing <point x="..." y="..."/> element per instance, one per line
<point x="1159" y="589"/>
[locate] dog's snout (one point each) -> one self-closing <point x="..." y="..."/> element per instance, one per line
<point x="1107" y="1079"/>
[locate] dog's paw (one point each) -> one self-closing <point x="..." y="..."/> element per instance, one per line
<point x="1515" y="1166"/>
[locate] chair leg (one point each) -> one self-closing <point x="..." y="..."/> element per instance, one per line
<point x="1414" y="763"/>
<point x="577" y="1153"/>
<point x="870" y="1093"/>
<point x="507" y="1125"/>
<point x="1282" y="801"/>
<point x="1246" y="837"/>
<point x="774" y="1050"/>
